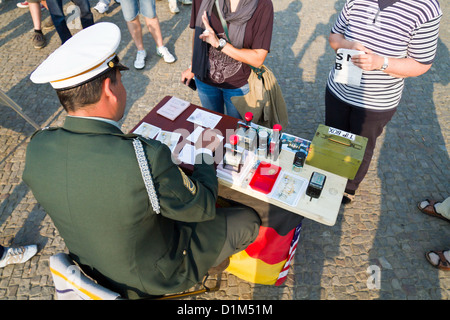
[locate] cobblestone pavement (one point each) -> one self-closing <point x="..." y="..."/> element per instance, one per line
<point x="382" y="235"/>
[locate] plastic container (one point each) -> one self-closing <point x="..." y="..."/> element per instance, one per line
<point x="264" y="177"/>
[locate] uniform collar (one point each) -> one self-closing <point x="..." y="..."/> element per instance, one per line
<point x="91" y="125"/>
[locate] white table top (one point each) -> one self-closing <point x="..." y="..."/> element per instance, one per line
<point x="323" y="209"/>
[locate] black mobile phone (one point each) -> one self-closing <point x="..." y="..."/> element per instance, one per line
<point x="191" y="84"/>
<point x="315" y="186"/>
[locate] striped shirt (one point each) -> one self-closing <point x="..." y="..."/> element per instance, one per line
<point x="408" y="28"/>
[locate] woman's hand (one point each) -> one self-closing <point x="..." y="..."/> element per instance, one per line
<point x="209" y="34"/>
<point x="368" y="61"/>
<point x="253" y="57"/>
<point x="187" y="75"/>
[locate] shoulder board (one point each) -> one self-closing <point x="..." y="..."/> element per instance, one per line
<point x="44" y="129"/>
<point x="125" y="135"/>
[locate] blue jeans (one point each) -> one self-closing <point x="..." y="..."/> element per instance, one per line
<point x="215" y="98"/>
<point x="55" y="8"/>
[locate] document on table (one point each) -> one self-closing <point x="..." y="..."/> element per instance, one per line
<point x="187" y="154"/>
<point x="204" y="118"/>
<point x="147" y="130"/>
<point x="169" y="138"/>
<point x="173" y="108"/>
<point x="289" y="188"/>
<point x="344" y="70"/>
<point x="193" y="137"/>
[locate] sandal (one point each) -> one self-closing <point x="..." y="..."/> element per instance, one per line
<point x="430" y="210"/>
<point x="443" y="263"/>
<point x="348" y="197"/>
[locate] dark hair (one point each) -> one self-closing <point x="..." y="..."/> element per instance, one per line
<point x="87" y="93"/>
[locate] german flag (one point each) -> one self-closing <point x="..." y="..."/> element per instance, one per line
<point x="268" y="258"/>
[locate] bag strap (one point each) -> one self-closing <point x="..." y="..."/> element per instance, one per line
<point x="145" y="171"/>
<point x="222" y="20"/>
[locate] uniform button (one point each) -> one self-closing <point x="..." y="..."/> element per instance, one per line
<point x="184" y="252"/>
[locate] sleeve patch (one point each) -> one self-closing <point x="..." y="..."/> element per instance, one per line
<point x="188" y="183"/>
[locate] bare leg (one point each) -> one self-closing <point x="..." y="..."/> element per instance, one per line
<point x="135" y="29"/>
<point x="155" y="29"/>
<point x="35" y="11"/>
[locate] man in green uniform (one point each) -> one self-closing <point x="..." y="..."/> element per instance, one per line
<point x="137" y="233"/>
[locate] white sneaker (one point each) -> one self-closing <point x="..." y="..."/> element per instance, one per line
<point x="101" y="7"/>
<point x="164" y="52"/>
<point x="17" y="255"/>
<point x="139" y="63"/>
<point x="186" y="1"/>
<point x="173" y="7"/>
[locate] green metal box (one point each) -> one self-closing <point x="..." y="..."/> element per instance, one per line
<point x="336" y="151"/>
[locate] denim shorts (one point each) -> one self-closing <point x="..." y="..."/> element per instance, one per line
<point x="131" y="8"/>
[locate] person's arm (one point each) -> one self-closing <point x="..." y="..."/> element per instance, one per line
<point x="181" y="197"/>
<point x="253" y="57"/>
<point x="337" y="41"/>
<point x="397" y="67"/>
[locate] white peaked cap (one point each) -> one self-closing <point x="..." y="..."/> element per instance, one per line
<point x="84" y="56"/>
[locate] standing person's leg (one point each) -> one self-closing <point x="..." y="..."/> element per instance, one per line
<point x="155" y="30"/>
<point x="135" y="29"/>
<point x="130" y="11"/>
<point x="210" y="97"/>
<point x="148" y="10"/>
<point x="86" y="16"/>
<point x="369" y="124"/>
<point x="337" y="112"/>
<point x="228" y="93"/>
<point x="360" y="121"/>
<point x="35" y="11"/>
<point x="134" y="26"/>
<point x="55" y="9"/>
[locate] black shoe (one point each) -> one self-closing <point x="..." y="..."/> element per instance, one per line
<point x="38" y="40"/>
<point x="348" y="197"/>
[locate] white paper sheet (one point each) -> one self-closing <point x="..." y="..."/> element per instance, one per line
<point x="204" y="118"/>
<point x="173" y="108"/>
<point x="147" y="130"/>
<point x="345" y="71"/>
<point x="169" y="138"/>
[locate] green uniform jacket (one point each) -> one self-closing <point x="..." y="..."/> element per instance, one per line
<point x="87" y="178"/>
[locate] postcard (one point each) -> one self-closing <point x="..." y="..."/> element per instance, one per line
<point x="147" y="130"/>
<point x="204" y="118"/>
<point x="289" y="188"/>
<point x="169" y="138"/>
